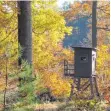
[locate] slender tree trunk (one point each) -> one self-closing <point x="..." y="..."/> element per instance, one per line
<point x="25" y="31"/>
<point x="94" y="23"/>
<point x="6" y="83"/>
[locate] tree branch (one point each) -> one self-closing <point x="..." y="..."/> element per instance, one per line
<point x="104" y="28"/>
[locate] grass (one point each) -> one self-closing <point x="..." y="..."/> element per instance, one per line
<point x="75" y="105"/>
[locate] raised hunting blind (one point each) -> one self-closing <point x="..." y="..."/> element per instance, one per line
<point x="84" y="67"/>
<point x="84" y="63"/>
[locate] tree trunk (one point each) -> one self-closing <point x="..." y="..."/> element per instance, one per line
<point x="6" y="83"/>
<point x="25" y="31"/>
<point x="94" y="23"/>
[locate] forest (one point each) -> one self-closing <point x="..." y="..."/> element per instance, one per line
<point x="36" y="39"/>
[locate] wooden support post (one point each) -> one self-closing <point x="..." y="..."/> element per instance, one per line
<point x="92" y="83"/>
<point x="78" y="84"/>
<point x="95" y="82"/>
<point x="91" y="86"/>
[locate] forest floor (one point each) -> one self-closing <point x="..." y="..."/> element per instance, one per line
<point x="74" y="105"/>
<point x="62" y="106"/>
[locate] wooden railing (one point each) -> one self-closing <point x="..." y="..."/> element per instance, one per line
<point x="68" y="69"/>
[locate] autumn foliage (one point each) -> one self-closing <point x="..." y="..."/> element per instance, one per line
<point x="49" y="28"/>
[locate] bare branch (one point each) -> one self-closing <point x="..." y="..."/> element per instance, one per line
<point x="103" y="28"/>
